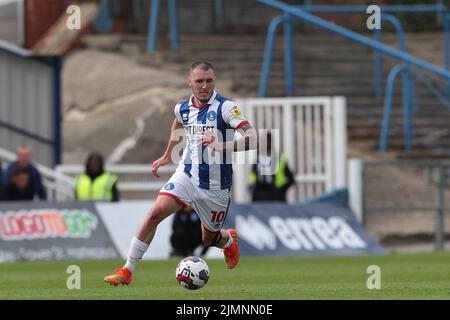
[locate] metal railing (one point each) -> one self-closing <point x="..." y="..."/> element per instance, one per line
<point x="153" y="24"/>
<point x="408" y="95"/>
<point x="304" y="12"/>
<point x="407" y="59"/>
<point x="345" y="9"/>
<point x="289" y="61"/>
<point x="173" y="22"/>
<point x="439" y="8"/>
<point x="288" y="58"/>
<point x="402" y="47"/>
<point x="432" y="88"/>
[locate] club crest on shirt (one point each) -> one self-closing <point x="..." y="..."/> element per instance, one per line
<point x="184" y="116"/>
<point x="236" y="112"/>
<point x="211" y="115"/>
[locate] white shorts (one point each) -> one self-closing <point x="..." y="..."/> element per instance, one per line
<point x="211" y="205"/>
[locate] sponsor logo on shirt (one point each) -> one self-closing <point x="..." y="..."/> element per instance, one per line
<point x="200" y="128"/>
<point x="236" y="112"/>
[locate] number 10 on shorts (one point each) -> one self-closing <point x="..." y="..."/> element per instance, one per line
<point x="217" y="216"/>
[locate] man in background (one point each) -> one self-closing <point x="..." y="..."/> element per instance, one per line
<point x="18" y="187"/>
<point x="24" y="161"/>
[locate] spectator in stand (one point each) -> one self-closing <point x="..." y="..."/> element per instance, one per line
<point x="18" y="188"/>
<point x="95" y="183"/>
<point x="24" y="161"/>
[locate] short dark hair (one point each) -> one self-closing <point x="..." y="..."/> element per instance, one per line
<point x="18" y="171"/>
<point x="204" y="65"/>
<point x="94" y="156"/>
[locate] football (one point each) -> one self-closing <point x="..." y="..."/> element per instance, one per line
<point x="192" y="273"/>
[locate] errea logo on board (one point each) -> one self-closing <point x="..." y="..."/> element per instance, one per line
<point x="315" y="233"/>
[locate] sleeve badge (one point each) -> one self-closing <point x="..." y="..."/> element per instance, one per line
<point x="236" y="112"/>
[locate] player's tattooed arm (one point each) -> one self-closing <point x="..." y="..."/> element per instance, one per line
<point x="249" y="139"/>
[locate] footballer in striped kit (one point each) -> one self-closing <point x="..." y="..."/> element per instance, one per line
<point x="203" y="178"/>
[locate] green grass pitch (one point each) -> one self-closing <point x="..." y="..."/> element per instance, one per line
<point x="403" y="276"/>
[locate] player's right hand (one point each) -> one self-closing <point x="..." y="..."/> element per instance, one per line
<point x="158" y="163"/>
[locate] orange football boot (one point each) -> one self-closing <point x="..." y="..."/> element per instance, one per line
<point x="120" y="276"/>
<point x="231" y="254"/>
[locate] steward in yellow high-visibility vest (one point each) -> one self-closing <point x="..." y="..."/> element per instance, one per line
<point x="270" y="178"/>
<point x="95" y="184"/>
<point x="101" y="188"/>
<point x="268" y="184"/>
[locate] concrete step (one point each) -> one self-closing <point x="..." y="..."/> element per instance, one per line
<point x="256" y="57"/>
<point x="323" y="39"/>
<point x="417" y="151"/>
<point x="327" y="45"/>
<point x="355" y="123"/>
<point x="427" y="107"/>
<point x="397" y="133"/>
<point x="302" y="80"/>
<point x="397" y="142"/>
<point x="276" y="87"/>
<point x="422" y="154"/>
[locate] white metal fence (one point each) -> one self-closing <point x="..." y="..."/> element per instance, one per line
<point x="313" y="135"/>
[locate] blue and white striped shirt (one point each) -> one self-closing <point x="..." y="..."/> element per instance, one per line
<point x="209" y="170"/>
